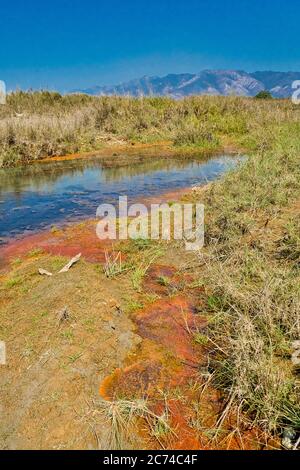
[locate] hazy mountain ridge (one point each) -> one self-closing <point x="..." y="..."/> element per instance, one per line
<point x="212" y="82"/>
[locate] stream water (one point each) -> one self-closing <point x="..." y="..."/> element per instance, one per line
<point x="39" y="196"/>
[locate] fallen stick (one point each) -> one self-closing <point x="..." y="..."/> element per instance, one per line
<point x="43" y="272"/>
<point x="70" y="263"/>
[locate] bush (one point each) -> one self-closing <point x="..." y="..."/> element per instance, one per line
<point x="264" y="95"/>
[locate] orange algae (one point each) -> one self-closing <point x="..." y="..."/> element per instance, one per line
<point x="171" y="323"/>
<point x="113" y="149"/>
<point x="165" y="369"/>
<point x="69" y="241"/>
<point x="166" y="359"/>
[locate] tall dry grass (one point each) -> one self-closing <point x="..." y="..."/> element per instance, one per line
<point x="252" y="272"/>
<point x="41" y="124"/>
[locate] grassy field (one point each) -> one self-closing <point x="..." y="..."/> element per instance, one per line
<point x="43" y="124"/>
<point x="251" y="260"/>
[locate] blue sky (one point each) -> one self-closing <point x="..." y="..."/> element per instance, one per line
<point x="65" y="44"/>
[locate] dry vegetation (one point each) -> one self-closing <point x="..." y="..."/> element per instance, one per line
<point x="251" y="261"/>
<point x="42" y="124"/>
<point x="252" y="270"/>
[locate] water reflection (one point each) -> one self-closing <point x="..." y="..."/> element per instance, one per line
<point x="37" y="196"/>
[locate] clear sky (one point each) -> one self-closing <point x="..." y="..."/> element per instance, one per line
<point x="65" y="44"/>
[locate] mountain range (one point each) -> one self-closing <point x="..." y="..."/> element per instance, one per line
<point x="207" y="82"/>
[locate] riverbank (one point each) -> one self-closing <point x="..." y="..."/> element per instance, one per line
<point x="126" y="366"/>
<point x="194" y="318"/>
<point x="204" y="341"/>
<point x="43" y="125"/>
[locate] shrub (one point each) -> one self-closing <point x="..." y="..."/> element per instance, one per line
<point x="264" y="95"/>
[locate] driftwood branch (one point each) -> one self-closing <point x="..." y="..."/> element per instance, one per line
<point x="70" y="263"/>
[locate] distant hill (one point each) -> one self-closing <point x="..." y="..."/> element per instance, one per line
<point x="207" y="82"/>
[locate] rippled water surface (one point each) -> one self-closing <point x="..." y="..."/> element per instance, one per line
<point x="38" y="196"/>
